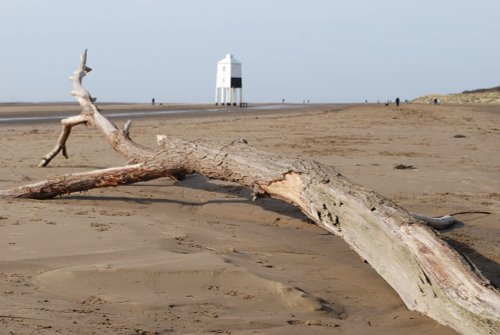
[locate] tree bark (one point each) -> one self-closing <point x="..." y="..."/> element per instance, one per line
<point x="429" y="275"/>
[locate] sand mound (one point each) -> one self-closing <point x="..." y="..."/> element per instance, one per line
<point x="185" y="281"/>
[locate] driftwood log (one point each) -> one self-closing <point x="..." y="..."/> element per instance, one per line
<point x="429" y="275"/>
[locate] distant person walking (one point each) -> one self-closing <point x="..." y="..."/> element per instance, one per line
<point x="153" y="101"/>
<point x="397" y="101"/>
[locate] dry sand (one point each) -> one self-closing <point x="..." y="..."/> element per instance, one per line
<point x="198" y="256"/>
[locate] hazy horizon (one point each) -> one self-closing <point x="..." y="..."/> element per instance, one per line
<point x="322" y="51"/>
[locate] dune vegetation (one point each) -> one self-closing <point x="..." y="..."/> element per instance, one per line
<point x="478" y="96"/>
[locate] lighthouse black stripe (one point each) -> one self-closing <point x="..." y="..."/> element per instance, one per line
<point x="236" y="82"/>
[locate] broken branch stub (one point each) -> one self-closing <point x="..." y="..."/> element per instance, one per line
<point x="429" y="275"/>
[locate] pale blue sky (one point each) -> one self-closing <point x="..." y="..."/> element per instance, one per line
<point x="321" y="50"/>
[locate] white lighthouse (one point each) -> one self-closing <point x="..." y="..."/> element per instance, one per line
<point x="229" y="82"/>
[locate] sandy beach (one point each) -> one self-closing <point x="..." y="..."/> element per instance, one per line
<point x="200" y="257"/>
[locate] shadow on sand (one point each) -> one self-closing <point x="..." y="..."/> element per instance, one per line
<point x="242" y="195"/>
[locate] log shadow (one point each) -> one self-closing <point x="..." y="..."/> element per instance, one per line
<point x="148" y="201"/>
<point x="488" y="267"/>
<point x="199" y="182"/>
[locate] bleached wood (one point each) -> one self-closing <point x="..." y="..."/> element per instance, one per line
<point x="63" y="137"/>
<point x="429" y="275"/>
<point x="439" y="223"/>
<point x="92" y="117"/>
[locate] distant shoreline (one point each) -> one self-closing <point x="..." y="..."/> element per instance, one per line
<point x="53" y="113"/>
<point x="37" y="113"/>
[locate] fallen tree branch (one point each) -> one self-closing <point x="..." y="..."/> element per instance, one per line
<point x="470" y="212"/>
<point x="92" y="117"/>
<point x="429" y="276"/>
<point x="438" y="223"/>
<point x="444" y="222"/>
<point x="80" y="182"/>
<point x="63" y="137"/>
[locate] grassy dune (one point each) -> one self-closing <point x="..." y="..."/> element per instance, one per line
<point x="479" y="96"/>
